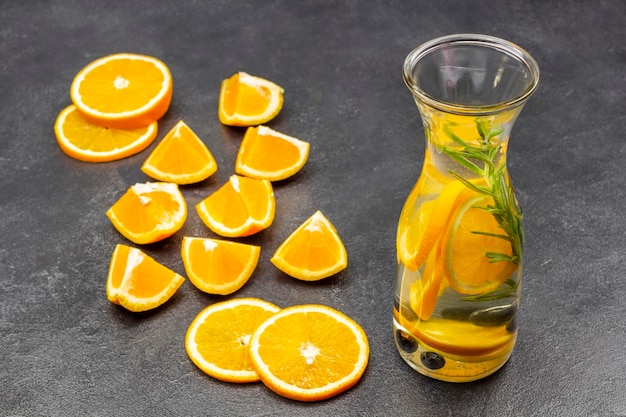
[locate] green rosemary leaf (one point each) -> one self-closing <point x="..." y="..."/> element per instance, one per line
<point x="463" y="161"/>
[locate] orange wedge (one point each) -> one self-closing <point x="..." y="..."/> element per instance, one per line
<point x="469" y="238"/>
<point x="149" y="212"/>
<point x="309" y="352"/>
<point x="241" y="207"/>
<point x="418" y="231"/>
<point x="313" y="251"/>
<point x="218" y="266"/>
<point x="246" y="100"/>
<point x="267" y="154"/>
<point x="124" y="91"/>
<point x="137" y="282"/>
<point x="217" y="339"/>
<point x="92" y="143"/>
<point x="181" y="157"/>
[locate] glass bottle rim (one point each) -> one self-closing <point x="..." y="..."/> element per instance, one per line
<point x="486" y="41"/>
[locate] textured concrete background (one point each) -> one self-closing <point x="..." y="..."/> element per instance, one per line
<point x="66" y="351"/>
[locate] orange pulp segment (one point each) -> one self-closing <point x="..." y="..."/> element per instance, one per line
<point x="218" y="266"/>
<point x="247" y="100"/>
<point x="217" y="339"/>
<point x="313" y="251"/>
<point x="472" y="234"/>
<point x="267" y="154"/>
<point x="309" y="352"/>
<point x="137" y="282"/>
<point x="241" y="207"/>
<point x="124" y="91"/>
<point x="181" y="157"/>
<point x="93" y="143"/>
<point x="149" y="212"/>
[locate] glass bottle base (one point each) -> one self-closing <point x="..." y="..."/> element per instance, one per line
<point x="443" y="366"/>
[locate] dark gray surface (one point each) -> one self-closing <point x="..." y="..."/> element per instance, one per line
<point x="65" y="350"/>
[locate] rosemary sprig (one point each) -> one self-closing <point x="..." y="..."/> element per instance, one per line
<point x="482" y="161"/>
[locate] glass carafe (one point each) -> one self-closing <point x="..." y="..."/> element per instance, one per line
<point x="460" y="234"/>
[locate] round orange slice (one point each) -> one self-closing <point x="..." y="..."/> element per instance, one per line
<point x="309" y="352"/>
<point x="137" y="282"/>
<point x="241" y="207"/>
<point x="181" y="157"/>
<point x="471" y="235"/>
<point x="218" y="266"/>
<point x="313" y="251"/>
<point x="93" y="143"/>
<point x="247" y="100"/>
<point x="149" y="212"/>
<point x="267" y="154"/>
<point x="124" y="91"/>
<point x="217" y="339"/>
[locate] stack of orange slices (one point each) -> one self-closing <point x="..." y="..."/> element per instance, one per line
<point x="116" y="102"/>
<point x="305" y="352"/>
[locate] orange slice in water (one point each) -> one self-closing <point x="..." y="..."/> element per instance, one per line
<point x="137" y="282"/>
<point x="217" y="339"/>
<point x="218" y="266"/>
<point x="425" y="291"/>
<point x="417" y="233"/>
<point x="241" y="207"/>
<point x="93" y="143"/>
<point x="124" y="91"/>
<point x="247" y="100"/>
<point x="149" y="212"/>
<point x="267" y="154"/>
<point x="469" y="237"/>
<point x="313" y="251"/>
<point x="309" y="352"/>
<point x="181" y="157"/>
<point x="463" y="338"/>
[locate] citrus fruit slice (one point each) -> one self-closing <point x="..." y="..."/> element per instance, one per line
<point x="247" y="100"/>
<point x="417" y="233"/>
<point x="267" y="154"/>
<point x="463" y="338"/>
<point x="472" y="234"/>
<point x="218" y="266"/>
<point x="137" y="282"/>
<point x="424" y="292"/>
<point x="313" y="251"/>
<point x="217" y="339"/>
<point x="92" y="143"/>
<point x="149" y="212"/>
<point x="241" y="207"/>
<point x="309" y="352"/>
<point x="181" y="157"/>
<point x="124" y="91"/>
